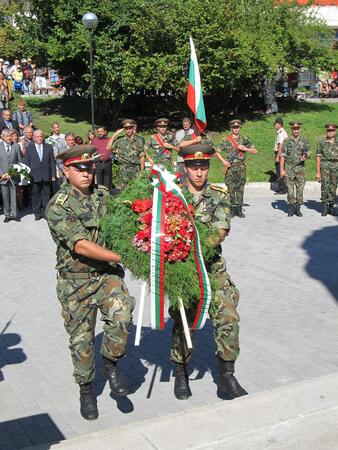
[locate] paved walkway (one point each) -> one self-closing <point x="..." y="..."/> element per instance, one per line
<point x="286" y="270"/>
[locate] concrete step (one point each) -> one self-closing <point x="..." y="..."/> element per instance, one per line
<point x="300" y="416"/>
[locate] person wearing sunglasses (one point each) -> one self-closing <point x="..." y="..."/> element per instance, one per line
<point x="295" y="150"/>
<point x="327" y="168"/>
<point x="162" y="144"/>
<point x="235" y="148"/>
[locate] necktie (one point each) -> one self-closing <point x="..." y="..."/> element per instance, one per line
<point x="40" y="151"/>
<point x="8" y="148"/>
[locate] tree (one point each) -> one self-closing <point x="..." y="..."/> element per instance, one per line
<point x="142" y="47"/>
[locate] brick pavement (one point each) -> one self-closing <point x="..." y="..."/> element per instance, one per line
<point x="284" y="267"/>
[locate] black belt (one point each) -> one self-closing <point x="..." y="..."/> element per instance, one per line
<point x="104" y="161"/>
<point x="111" y="270"/>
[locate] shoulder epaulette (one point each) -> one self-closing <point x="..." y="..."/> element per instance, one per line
<point x="223" y="189"/>
<point x="61" y="198"/>
<point x="102" y="187"/>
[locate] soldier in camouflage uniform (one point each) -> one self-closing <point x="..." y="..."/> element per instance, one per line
<point x="295" y="150"/>
<point x="162" y="145"/>
<point x="327" y="168"/>
<point x="235" y="148"/>
<point x="89" y="277"/>
<point x="211" y="207"/>
<point x="129" y="150"/>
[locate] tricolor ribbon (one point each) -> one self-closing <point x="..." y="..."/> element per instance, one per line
<point x="164" y="182"/>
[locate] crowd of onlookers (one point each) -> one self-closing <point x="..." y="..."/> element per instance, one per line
<point x="21" y="142"/>
<point x="327" y="85"/>
<point x="25" y="78"/>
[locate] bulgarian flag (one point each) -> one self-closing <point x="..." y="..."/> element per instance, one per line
<point x="194" y="97"/>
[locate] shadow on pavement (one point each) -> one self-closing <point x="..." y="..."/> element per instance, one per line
<point x="282" y="205"/>
<point x="9" y="355"/>
<point x="321" y="247"/>
<point x="153" y="355"/>
<point x="313" y="204"/>
<point x="29" y="431"/>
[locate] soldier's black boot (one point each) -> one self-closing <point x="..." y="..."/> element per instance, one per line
<point x="331" y="209"/>
<point x="240" y="212"/>
<point x="117" y="382"/>
<point x="227" y="383"/>
<point x="325" y="209"/>
<point x="181" y="388"/>
<point x="88" y="404"/>
<point x="233" y="211"/>
<point x="291" y="210"/>
<point x="298" y="213"/>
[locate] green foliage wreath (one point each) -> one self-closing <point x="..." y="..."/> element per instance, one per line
<point x="119" y="228"/>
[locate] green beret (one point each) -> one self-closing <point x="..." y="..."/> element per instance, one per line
<point x="331" y="125"/>
<point x="235" y="123"/>
<point x="162" y="121"/>
<point x="295" y="123"/>
<point x="78" y="154"/>
<point x="128" y="123"/>
<point x="197" y="153"/>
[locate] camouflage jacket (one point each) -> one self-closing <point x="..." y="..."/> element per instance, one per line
<point x="327" y="151"/>
<point x="230" y="153"/>
<point x="211" y="207"/>
<point x="129" y="151"/>
<point x="159" y="154"/>
<point x="293" y="149"/>
<point x="71" y="217"/>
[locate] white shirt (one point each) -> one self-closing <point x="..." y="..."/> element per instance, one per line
<point x="179" y="137"/>
<point x="281" y="136"/>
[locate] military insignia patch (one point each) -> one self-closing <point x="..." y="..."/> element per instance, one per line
<point x="61" y="199"/>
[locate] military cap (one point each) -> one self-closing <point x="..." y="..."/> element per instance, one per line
<point x="78" y="154"/>
<point x="295" y="123"/>
<point x="197" y="154"/>
<point x="235" y="123"/>
<point x="162" y="121"/>
<point x="330" y="125"/>
<point x="128" y="123"/>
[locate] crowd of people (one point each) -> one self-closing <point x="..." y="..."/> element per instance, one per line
<point x="126" y="153"/>
<point x="25" y="78"/>
<point x="327" y="85"/>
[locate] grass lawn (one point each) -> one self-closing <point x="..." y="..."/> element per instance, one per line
<point x="73" y="113"/>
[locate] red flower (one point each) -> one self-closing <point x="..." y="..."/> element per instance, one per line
<point x="140" y="206"/>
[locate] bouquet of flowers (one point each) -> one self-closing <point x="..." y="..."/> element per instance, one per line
<point x="20" y="171"/>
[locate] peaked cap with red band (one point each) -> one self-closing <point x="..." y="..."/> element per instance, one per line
<point x="78" y="154"/>
<point x="197" y="153"/>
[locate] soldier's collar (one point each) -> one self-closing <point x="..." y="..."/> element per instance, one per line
<point x="77" y="194"/>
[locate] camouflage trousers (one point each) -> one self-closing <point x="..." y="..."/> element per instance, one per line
<point x="295" y="182"/>
<point x="235" y="179"/>
<point x="224" y="316"/>
<point x="80" y="299"/>
<point x="329" y="180"/>
<point x="127" y="173"/>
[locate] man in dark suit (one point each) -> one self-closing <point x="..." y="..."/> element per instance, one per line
<point x="9" y="154"/>
<point x="7" y="122"/>
<point x="40" y="158"/>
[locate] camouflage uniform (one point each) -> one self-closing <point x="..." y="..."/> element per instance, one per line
<point x="129" y="151"/>
<point x="212" y="209"/>
<point x="84" y="284"/>
<point x="235" y="177"/>
<point x="162" y="157"/>
<point x="328" y="153"/>
<point x="292" y="150"/>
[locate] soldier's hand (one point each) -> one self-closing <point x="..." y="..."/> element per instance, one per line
<point x="167" y="145"/>
<point x="282" y="173"/>
<point x="227" y="164"/>
<point x="318" y="177"/>
<point x="302" y="158"/>
<point x="241" y="147"/>
<point x="277" y="159"/>
<point x="198" y="139"/>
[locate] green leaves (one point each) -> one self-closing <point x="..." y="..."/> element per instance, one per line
<point x="142" y="46"/>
